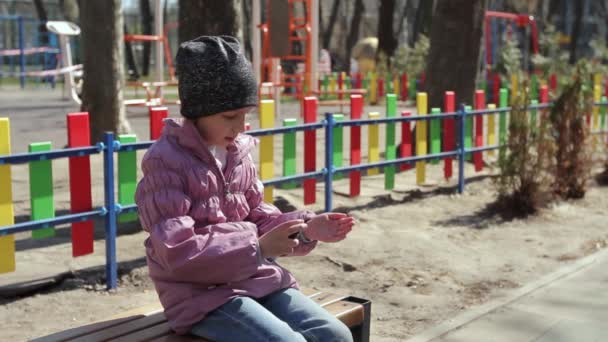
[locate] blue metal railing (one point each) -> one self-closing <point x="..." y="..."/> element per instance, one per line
<point x="109" y="212"/>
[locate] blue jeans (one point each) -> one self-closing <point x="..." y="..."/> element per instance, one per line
<point x="286" y="315"/>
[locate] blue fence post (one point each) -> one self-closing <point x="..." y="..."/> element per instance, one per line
<point x="110" y="223"/>
<point x="329" y="167"/>
<point x="461" y="148"/>
<point x="21" y="51"/>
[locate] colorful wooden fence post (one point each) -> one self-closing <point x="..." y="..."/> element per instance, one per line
<point x="597" y="95"/>
<point x="310" y="149"/>
<point x="356" y="108"/>
<point x="534" y="87"/>
<point x="603" y="114"/>
<point x="157" y="115"/>
<point x="404" y="86"/>
<point x="380" y="88"/>
<point x="391" y="152"/>
<point x="127" y="177"/>
<point x="325" y="92"/>
<point x="468" y="132"/>
<point x="289" y="153"/>
<point x="412" y="87"/>
<point x="80" y="183"/>
<point x="373" y="89"/>
<point x="406" y="141"/>
<point x="41" y="190"/>
<point x="435" y="135"/>
<point x="514" y="86"/>
<point x="396" y="86"/>
<point x="373" y="152"/>
<point x="553" y="83"/>
<point x="267" y="146"/>
<point x="421" y="137"/>
<point x="502" y="122"/>
<point x="449" y="127"/>
<point x="491" y="128"/>
<point x="480" y="103"/>
<point x="7" y="218"/>
<point x="338" y="145"/>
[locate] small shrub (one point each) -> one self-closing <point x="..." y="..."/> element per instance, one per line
<point x="570" y="133"/>
<point x="524" y="183"/>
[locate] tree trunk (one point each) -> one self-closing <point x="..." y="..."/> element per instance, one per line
<point x="146" y="24"/>
<point x="42" y="17"/>
<point x="207" y="17"/>
<point x="131" y="65"/>
<point x="330" y="24"/>
<point x="454" y="51"/>
<point x="102" y="42"/>
<point x="424" y="18"/>
<point x="387" y="43"/>
<point x="576" y="30"/>
<point x="355" y="26"/>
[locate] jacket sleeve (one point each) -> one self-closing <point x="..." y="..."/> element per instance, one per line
<point x="213" y="254"/>
<point x="266" y="216"/>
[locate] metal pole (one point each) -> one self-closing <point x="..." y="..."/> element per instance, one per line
<point x="158" y="26"/>
<point x="314" y="56"/>
<point x="256" y="19"/>
<point x="110" y="222"/>
<point x="21" y="52"/>
<point x="329" y="167"/>
<point x="461" y="148"/>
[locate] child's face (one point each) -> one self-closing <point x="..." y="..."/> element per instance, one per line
<point x="222" y="128"/>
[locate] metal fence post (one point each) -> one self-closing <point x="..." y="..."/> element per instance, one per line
<point x="329" y="167"/>
<point x="110" y="219"/>
<point x="461" y="147"/>
<point x="21" y="51"/>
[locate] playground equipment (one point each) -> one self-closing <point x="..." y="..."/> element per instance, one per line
<point x="28" y="50"/>
<point x="65" y="29"/>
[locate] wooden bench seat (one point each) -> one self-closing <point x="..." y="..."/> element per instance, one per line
<point x="148" y="323"/>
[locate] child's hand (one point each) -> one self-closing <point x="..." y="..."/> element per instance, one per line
<point x="277" y="242"/>
<point x="329" y="227"/>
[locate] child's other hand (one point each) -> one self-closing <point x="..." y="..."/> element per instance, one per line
<point x="277" y="242"/>
<point x="329" y="227"/>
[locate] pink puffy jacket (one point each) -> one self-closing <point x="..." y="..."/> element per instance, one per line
<point x="204" y="225"/>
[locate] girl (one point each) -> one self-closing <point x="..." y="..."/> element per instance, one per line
<point x="213" y="241"/>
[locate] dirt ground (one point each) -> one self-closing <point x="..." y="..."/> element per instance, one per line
<point x="421" y="254"/>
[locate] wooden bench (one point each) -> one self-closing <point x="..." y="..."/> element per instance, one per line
<point x="148" y="323"/>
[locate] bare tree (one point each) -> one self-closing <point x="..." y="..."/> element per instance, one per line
<point x="576" y="30"/>
<point x="102" y="43"/>
<point x="208" y="17"/>
<point x="42" y="17"/>
<point x="387" y="42"/>
<point x="329" y="30"/>
<point x="454" y="51"/>
<point x="423" y="21"/>
<point x="355" y="25"/>
<point x="146" y="24"/>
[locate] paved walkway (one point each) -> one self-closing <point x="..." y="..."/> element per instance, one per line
<point x="570" y="304"/>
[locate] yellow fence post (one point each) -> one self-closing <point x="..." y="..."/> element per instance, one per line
<point x="421" y="139"/>
<point x="7" y="242"/>
<point x="491" y="128"/>
<point x="373" y="141"/>
<point x="267" y="146"/>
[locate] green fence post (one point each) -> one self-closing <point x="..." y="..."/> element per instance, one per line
<point x="391" y="150"/>
<point x="435" y="135"/>
<point x="338" y="153"/>
<point x="127" y="177"/>
<point x="41" y="190"/>
<point x="289" y="153"/>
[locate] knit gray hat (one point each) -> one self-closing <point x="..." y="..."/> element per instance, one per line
<point x="214" y="76"/>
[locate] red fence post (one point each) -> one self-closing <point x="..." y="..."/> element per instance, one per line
<point x="480" y="104"/>
<point x="449" y="138"/>
<point x="80" y="183"/>
<point x="310" y="149"/>
<point x="356" y="109"/>
<point x="157" y="115"/>
<point x="406" y="142"/>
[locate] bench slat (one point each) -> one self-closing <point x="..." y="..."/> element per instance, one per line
<point x="158" y="330"/>
<point x="126" y="328"/>
<point x="349" y="313"/>
<point x="84" y="330"/>
<point x="327" y="298"/>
